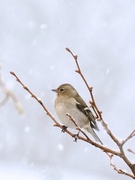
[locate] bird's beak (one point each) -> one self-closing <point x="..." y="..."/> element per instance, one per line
<point x="55" y="90"/>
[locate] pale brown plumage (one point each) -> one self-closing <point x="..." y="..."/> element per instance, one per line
<point x="69" y="101"/>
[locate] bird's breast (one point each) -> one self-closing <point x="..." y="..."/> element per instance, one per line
<point x="62" y="108"/>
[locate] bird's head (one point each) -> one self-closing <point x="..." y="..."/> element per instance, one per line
<point x="65" y="90"/>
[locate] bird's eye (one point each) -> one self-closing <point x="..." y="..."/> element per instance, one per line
<point x="61" y="89"/>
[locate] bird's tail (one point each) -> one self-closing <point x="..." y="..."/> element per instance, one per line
<point x="96" y="137"/>
<point x="92" y="132"/>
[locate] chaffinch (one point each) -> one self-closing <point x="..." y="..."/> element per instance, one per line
<point x="69" y="101"/>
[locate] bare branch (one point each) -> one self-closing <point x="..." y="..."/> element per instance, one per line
<point x="131" y="151"/>
<point x="35" y="97"/>
<point x="4" y="100"/>
<point x="78" y="69"/>
<point x="99" y="115"/>
<point x="9" y="94"/>
<point x="129" y="137"/>
<point x="120" y="171"/>
<point x="110" y="152"/>
<point x="93" y="103"/>
<point x="86" y="138"/>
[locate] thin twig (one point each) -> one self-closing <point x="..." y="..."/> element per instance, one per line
<point x="78" y="68"/>
<point x="93" y="103"/>
<point x="9" y="94"/>
<point x="99" y="114"/>
<point x="86" y="139"/>
<point x="120" y="171"/>
<point x="129" y="137"/>
<point x="4" y="100"/>
<point x="77" y="127"/>
<point x="107" y="150"/>
<point x="131" y="151"/>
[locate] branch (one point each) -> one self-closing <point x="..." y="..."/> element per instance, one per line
<point x="110" y="152"/>
<point x="131" y="151"/>
<point x="129" y="137"/>
<point x="9" y="94"/>
<point x="99" y="115"/>
<point x="120" y="171"/>
<point x="86" y="139"/>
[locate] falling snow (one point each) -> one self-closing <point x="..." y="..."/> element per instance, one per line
<point x="33" y="38"/>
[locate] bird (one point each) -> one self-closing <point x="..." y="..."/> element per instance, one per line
<point x="68" y="101"/>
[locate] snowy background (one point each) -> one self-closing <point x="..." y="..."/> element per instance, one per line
<point x="33" y="38"/>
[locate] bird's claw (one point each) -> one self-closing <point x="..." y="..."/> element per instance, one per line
<point x="63" y="128"/>
<point x="75" y="136"/>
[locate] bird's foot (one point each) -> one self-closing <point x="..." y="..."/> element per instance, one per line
<point x="63" y="128"/>
<point x="75" y="136"/>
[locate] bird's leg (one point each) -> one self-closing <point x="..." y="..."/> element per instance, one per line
<point x="75" y="136"/>
<point x="63" y="128"/>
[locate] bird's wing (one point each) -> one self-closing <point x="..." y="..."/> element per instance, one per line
<point x="84" y="109"/>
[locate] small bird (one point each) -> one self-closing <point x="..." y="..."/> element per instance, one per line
<point x="69" y="101"/>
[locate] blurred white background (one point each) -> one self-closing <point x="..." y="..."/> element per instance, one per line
<point x="33" y="38"/>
